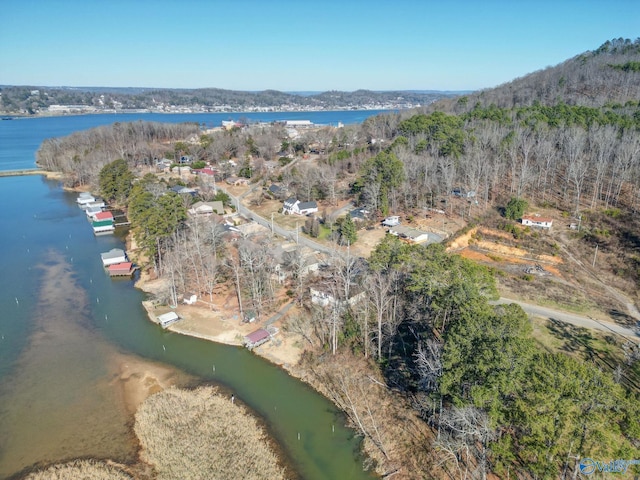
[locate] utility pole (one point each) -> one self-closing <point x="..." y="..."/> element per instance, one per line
<point x="272" y="224"/>
<point x="594" y="256"/>
<point x="297" y="234"/>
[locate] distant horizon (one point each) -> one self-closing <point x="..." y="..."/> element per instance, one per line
<point x="292" y="46"/>
<point x="293" y="92"/>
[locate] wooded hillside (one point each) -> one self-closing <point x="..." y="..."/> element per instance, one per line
<point x="443" y="383"/>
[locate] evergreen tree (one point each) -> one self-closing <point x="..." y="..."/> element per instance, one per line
<point x="115" y="181"/>
<point x="515" y="208"/>
<point x="347" y="231"/>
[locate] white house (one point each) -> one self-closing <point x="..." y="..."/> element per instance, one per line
<point x="537" y="221"/>
<point x="190" y="298"/>
<point x="294" y="206"/>
<point x="391" y="221"/>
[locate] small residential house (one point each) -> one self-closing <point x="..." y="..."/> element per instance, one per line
<point x="208" y="171"/>
<point x="324" y="298"/>
<point x="181" y="169"/>
<point x="277" y="191"/>
<point x="391" y="221"/>
<point x="537" y="221"/>
<point x="190" y="299"/>
<point x="410" y="234"/>
<point x="294" y="206"/>
<point x="237" y="181"/>
<point x="115" y="255"/>
<point x="207" y="208"/>
<point x="182" y="190"/>
<point x="359" y="215"/>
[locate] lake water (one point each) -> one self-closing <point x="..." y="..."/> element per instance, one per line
<point x="65" y="324"/>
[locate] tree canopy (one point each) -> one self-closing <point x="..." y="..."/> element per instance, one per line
<point x="116" y="181"/>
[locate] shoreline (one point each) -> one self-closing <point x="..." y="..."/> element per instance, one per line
<point x="218" y="325"/>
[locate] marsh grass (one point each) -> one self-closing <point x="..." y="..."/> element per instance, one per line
<point x="199" y="434"/>
<point x="81" y="470"/>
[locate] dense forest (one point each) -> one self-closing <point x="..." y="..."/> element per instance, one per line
<point x="34" y="100"/>
<point x="441" y="382"/>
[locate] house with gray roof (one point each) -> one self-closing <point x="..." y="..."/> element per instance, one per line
<point x="293" y="206"/>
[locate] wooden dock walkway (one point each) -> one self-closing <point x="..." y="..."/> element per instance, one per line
<point x="18" y="173"/>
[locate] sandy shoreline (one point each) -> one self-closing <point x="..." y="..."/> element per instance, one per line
<point x="222" y="326"/>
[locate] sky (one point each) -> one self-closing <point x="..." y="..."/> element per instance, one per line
<point x="301" y="45"/>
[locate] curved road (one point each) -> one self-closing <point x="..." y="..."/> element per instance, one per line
<point x="534" y="310"/>
<point x="573" y="319"/>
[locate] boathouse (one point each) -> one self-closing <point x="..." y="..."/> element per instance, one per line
<point x="84" y="198"/>
<point x="105" y="226"/>
<point x="101" y="216"/>
<point x="113" y="256"/>
<point x="124" y="269"/>
<point x="257" y="338"/>
<point x="167" y="319"/>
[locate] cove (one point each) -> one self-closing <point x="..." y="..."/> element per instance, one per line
<point x="41" y="220"/>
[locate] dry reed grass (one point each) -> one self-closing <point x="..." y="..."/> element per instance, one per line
<point x="199" y="434"/>
<point x="81" y="470"/>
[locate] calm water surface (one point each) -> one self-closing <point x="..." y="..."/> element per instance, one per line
<point x="64" y="320"/>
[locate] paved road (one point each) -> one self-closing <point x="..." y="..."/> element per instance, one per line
<point x="573" y="319"/>
<point x="535" y="310"/>
<point x="277" y="229"/>
<point x="279" y="314"/>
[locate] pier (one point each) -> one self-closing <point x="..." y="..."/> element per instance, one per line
<point x="18" y="173"/>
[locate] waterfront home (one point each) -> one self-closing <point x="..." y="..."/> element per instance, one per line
<point x="537" y="221"/>
<point x="124" y="269"/>
<point x="113" y="256"/>
<point x="293" y="206"/>
<point x="167" y="319"/>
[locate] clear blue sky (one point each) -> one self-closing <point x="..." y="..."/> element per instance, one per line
<point x="299" y="45"/>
